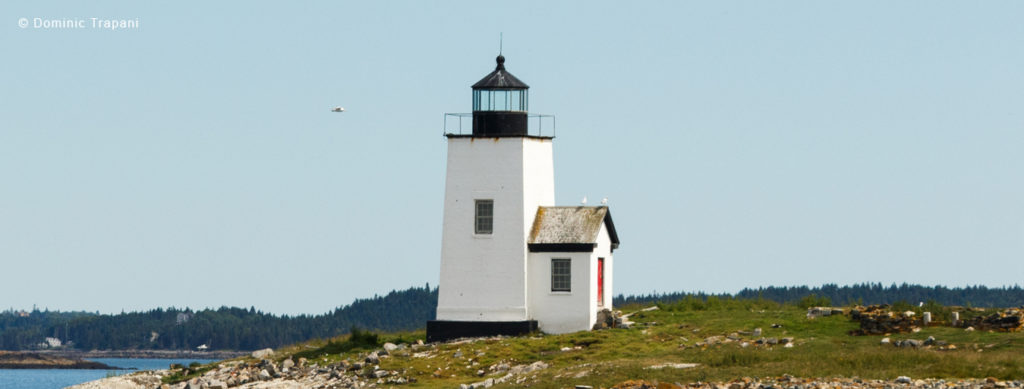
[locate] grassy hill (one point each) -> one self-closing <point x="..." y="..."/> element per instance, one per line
<point x="718" y="335"/>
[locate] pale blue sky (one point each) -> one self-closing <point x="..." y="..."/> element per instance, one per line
<point x="193" y="161"/>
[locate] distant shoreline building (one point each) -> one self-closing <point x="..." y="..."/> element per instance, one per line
<point x="511" y="261"/>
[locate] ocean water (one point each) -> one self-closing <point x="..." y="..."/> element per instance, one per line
<point x="59" y="378"/>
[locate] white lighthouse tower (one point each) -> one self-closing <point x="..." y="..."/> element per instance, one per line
<point x="512" y="262"/>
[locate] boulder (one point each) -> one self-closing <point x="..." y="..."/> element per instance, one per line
<point x="264" y="353"/>
<point x="911" y="343"/>
<point x="389" y="347"/>
<point x="270" y="367"/>
<point x="372" y="358"/>
<point x="483" y="384"/>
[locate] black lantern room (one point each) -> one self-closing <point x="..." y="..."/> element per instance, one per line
<point x="500" y="103"/>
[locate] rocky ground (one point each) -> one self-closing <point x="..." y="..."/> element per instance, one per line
<point x="261" y="372"/>
<point x="314" y="378"/>
<point x="788" y="382"/>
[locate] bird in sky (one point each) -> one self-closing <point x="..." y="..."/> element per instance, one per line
<point x="584" y="201"/>
<point x="604" y="201"/>
<point x="338" y="109"/>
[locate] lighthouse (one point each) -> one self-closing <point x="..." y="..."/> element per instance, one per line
<point x="511" y="261"/>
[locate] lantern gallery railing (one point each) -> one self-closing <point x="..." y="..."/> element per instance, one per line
<point x="462" y="124"/>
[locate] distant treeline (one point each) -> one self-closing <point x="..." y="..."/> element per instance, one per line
<point x="220" y="329"/>
<point x="976" y="296"/>
<point x="248" y="329"/>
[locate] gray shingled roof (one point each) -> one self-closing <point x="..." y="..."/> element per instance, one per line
<point x="570" y="227"/>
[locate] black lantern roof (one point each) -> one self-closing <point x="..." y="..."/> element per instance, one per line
<point x="500" y="79"/>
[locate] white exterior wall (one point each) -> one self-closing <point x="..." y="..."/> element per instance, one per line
<point x="576" y="310"/>
<point x="603" y="250"/>
<point x="483" y="277"/>
<point x="561" y="312"/>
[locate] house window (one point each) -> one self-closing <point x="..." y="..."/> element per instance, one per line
<point x="484" y="217"/>
<point x="561" y="275"/>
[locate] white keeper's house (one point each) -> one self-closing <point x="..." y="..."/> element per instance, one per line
<point x="511" y="261"/>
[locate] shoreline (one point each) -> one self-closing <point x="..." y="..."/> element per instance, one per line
<point x="18" y="360"/>
<point x="143" y="354"/>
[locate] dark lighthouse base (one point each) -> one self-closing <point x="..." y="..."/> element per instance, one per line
<point x="443" y="330"/>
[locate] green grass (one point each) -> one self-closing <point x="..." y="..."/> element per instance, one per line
<point x="822" y="348"/>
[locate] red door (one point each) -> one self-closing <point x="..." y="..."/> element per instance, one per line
<point x="600" y="281"/>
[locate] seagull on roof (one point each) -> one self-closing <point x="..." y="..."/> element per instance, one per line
<point x="338" y="109"/>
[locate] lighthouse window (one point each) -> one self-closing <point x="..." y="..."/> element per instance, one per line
<point x="561" y="274"/>
<point x="499" y="100"/>
<point x="484" y="217"/>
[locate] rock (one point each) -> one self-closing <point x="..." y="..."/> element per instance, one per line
<point x="903" y="380"/>
<point x="264" y="353"/>
<point x="605" y="319"/>
<point x="457" y="354"/>
<point x="772" y="341"/>
<point x="389" y="347"/>
<point x="380" y="374"/>
<point x="480" y="373"/>
<point x="788" y="345"/>
<point x="483" y="384"/>
<point x="264" y="375"/>
<point x="269" y="366"/>
<point x="523" y="369"/>
<point x="215" y="384"/>
<point x="500" y="367"/>
<point x="787" y="340"/>
<point x="926" y="318"/>
<point x="955" y="319"/>
<point x="969" y="329"/>
<point x="886" y="341"/>
<point x="911" y="343"/>
<point x="757" y="331"/>
<point x="287" y="364"/>
<point x="930" y="341"/>
<point x="372" y="358"/>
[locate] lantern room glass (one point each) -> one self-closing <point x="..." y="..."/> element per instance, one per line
<point x="500" y="100"/>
